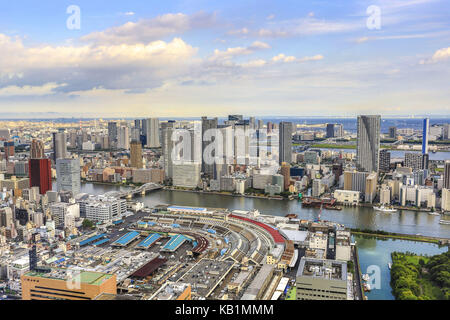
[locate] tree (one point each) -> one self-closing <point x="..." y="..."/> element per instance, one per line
<point x="88" y="224"/>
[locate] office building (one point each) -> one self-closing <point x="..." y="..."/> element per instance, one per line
<point x="446" y="182"/>
<point x="136" y="154"/>
<point x="414" y="160"/>
<point x="208" y="124"/>
<point x="152" y="132"/>
<point x="385" y="160"/>
<point x="66" y="284"/>
<point x="371" y="187"/>
<point x="64" y="214"/>
<point x="368" y="143"/>
<point x="167" y="129"/>
<point x="59" y="145"/>
<point x="392" y="132"/>
<point x="6" y="217"/>
<point x="334" y="130"/>
<point x="319" y="279"/>
<point x="9" y="149"/>
<point x="68" y="175"/>
<point x="102" y="208"/>
<point x="40" y="174"/>
<point x="37" y="149"/>
<point x="285" y="142"/>
<point x="425" y="135"/>
<point x="286" y="173"/>
<point x="112" y="134"/>
<point x="445" y="204"/>
<point x="186" y="175"/>
<point x="330" y="130"/>
<point x="123" y="137"/>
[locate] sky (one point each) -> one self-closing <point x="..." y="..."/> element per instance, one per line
<point x="208" y="58"/>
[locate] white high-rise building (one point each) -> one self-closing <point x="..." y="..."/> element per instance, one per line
<point x="368" y="143"/>
<point x="68" y="175"/>
<point x="64" y="214"/>
<point x="186" y="174"/>
<point x="123" y="137"/>
<point x="152" y="133"/>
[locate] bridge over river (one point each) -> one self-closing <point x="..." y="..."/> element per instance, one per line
<point x="131" y="193"/>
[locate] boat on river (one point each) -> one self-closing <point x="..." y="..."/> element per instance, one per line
<point x="382" y="208"/>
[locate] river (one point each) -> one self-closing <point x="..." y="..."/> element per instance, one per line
<point x="377" y="252"/>
<point x="372" y="251"/>
<point x="403" y="221"/>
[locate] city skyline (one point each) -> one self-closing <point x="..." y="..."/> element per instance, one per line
<point x="189" y="58"/>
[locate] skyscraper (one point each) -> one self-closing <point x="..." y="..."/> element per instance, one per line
<point x="385" y="160"/>
<point x="330" y="130"/>
<point x="286" y="173"/>
<point x="368" y="143"/>
<point x="207" y="124"/>
<point x="37" y="149"/>
<point x="9" y="149"/>
<point x="112" y="134"/>
<point x="123" y="137"/>
<point x="152" y="132"/>
<point x="40" y="174"/>
<point x="59" y="145"/>
<point x="285" y="142"/>
<point x="136" y="154"/>
<point x="447" y="175"/>
<point x="167" y="147"/>
<point x="68" y="175"/>
<point x="414" y="160"/>
<point x="426" y="130"/>
<point x="393" y="132"/>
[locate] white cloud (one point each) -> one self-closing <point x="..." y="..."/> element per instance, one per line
<point x="239" y="32"/>
<point x="45" y="89"/>
<point x="439" y="56"/>
<point x="283" y="58"/>
<point x="146" y="30"/>
<point x="254" y="63"/>
<point x="239" y="51"/>
<point x="125" y="66"/>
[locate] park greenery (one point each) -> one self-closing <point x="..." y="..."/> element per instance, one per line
<point x="415" y="277"/>
<point x="87" y="224"/>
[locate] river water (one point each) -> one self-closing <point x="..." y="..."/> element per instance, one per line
<point x="372" y="251"/>
<point x="377" y="252"/>
<point x="403" y="221"/>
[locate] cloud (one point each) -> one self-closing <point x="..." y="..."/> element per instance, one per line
<point x="439" y="56"/>
<point x="303" y="27"/>
<point x="239" y="51"/>
<point x="146" y="30"/>
<point x="241" y="32"/>
<point x="129" y="13"/>
<point x="80" y="68"/>
<point x="283" y="58"/>
<point x="45" y="89"/>
<point x="254" y="63"/>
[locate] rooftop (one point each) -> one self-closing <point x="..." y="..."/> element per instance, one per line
<point x="88" y="277"/>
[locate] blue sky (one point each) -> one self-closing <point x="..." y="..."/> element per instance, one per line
<point x="193" y="58"/>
